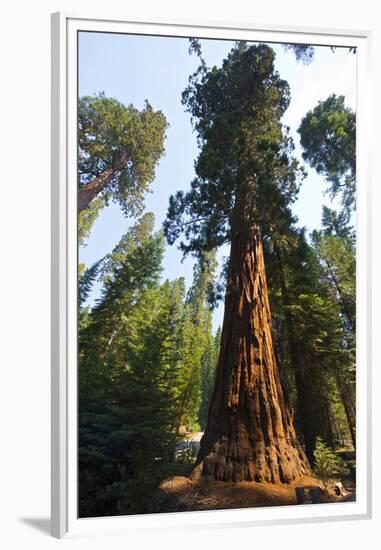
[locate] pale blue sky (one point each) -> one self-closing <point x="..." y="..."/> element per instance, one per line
<point x="135" y="68"/>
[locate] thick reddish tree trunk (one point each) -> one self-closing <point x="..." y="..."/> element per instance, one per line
<point x="249" y="434"/>
<point x="92" y="189"/>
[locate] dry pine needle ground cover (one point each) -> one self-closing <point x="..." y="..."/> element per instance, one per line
<point x="184" y="494"/>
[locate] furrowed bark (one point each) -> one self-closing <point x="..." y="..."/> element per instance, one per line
<point x="249" y="434"/>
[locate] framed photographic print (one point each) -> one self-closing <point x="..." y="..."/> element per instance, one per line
<point x="211" y="295"/>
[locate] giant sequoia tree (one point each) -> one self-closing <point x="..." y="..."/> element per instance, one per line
<point x="118" y="150"/>
<point x="246" y="179"/>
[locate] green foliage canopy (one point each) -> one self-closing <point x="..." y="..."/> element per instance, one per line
<point x="245" y="172"/>
<point x="143" y="349"/>
<point x="113" y="135"/>
<point x="328" y="137"/>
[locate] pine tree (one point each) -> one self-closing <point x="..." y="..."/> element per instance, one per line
<point x="86" y="281"/>
<point x="198" y="361"/>
<point x="309" y="333"/>
<point x="328" y="137"/>
<point x="208" y="373"/>
<point x="128" y="362"/>
<point x="335" y="250"/>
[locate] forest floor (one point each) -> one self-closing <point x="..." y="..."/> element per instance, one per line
<point x="184" y="494"/>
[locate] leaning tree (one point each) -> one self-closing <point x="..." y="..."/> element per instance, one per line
<point x="245" y="181"/>
<point x="119" y="148"/>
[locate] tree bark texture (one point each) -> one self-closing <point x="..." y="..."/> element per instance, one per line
<point x="249" y="434"/>
<point x="92" y="189"/>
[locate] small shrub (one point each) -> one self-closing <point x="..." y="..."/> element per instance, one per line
<point x="328" y="465"/>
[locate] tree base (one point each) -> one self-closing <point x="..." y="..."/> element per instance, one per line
<point x="249" y="434"/>
<point x="281" y="461"/>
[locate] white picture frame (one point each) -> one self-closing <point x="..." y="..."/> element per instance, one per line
<point x="65" y="522"/>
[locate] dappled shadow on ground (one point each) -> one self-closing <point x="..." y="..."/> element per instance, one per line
<point x="185" y="494"/>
